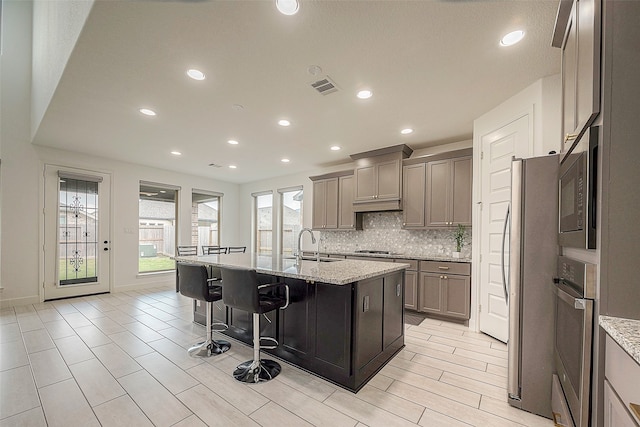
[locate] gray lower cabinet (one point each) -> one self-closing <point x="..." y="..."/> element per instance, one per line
<point x="621" y="391"/>
<point x="445" y="289"/>
<point x="411" y="289"/>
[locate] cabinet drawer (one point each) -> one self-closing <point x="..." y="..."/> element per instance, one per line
<point x="624" y="375"/>
<point x="446" y="267"/>
<point x="412" y="262"/>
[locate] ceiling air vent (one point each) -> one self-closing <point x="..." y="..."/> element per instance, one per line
<point x="214" y="165"/>
<point x="324" y="86"/>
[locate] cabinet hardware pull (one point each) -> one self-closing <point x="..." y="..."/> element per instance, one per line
<point x="443" y="267"/>
<point x="635" y="409"/>
<point x="557" y="419"/>
<point x="570" y="136"/>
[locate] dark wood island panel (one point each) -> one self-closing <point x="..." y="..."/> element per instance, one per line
<point x="343" y="333"/>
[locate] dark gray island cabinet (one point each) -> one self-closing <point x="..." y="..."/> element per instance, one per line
<point x="343" y="332"/>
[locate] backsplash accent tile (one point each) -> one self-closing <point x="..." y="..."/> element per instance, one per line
<point x="383" y="231"/>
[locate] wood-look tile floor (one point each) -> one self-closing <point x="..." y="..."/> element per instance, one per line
<point x="120" y="360"/>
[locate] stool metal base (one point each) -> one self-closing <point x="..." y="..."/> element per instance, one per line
<point x="255" y="371"/>
<point x="209" y="348"/>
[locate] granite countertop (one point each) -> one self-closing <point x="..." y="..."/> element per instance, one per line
<point x="626" y="332"/>
<point x="334" y="271"/>
<point x="394" y="255"/>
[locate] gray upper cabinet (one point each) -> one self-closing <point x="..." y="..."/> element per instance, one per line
<point x="448" y="196"/>
<point x="437" y="190"/>
<point x="325" y="204"/>
<point x="333" y="202"/>
<point x="577" y="32"/>
<point x="346" y="215"/>
<point x="413" y="195"/>
<point x="379" y="182"/>
<point x="378" y="179"/>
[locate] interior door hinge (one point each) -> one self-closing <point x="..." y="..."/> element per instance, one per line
<point x="43" y="284"/>
<point x="481" y="155"/>
<point x="480" y="257"/>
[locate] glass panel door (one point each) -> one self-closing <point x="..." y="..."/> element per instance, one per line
<point x="77" y="242"/>
<point x="78" y="231"/>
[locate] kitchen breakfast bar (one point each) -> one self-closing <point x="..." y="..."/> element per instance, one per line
<point x="344" y="321"/>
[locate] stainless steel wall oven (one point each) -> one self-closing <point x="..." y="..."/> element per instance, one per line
<point x="575" y="293"/>
<point x="578" y="193"/>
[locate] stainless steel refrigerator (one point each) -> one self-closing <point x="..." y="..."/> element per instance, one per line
<point x="532" y="254"/>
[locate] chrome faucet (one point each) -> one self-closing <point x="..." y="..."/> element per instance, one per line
<point x="313" y="241"/>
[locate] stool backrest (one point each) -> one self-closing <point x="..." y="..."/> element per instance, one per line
<point x="236" y="249"/>
<point x="187" y="250"/>
<point x="240" y="288"/>
<point x="192" y="281"/>
<point x="212" y="250"/>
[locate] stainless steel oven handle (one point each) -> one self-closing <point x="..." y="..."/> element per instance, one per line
<point x="504" y="239"/>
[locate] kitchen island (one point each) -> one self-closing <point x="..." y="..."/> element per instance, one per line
<point x="345" y="319"/>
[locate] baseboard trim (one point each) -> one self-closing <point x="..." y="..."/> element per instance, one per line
<point x="169" y="283"/>
<point x="13" y="302"/>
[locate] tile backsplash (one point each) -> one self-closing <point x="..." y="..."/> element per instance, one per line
<point x="383" y="231"/>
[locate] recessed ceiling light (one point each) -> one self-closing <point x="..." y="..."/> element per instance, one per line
<point x="232" y="166"/>
<point x="147" y="112"/>
<point x="285" y="160"/>
<point x="335" y="148"/>
<point x="288" y="7"/>
<point x="512" y="38"/>
<point x="364" y="94"/>
<point x="176" y="153"/>
<point x="195" y="74"/>
<point x="232" y="142"/>
<point x="406" y="131"/>
<point x="284" y="122"/>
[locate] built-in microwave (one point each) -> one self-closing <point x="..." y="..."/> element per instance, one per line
<point x="578" y="197"/>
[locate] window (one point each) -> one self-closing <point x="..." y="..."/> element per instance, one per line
<point x="290" y="218"/>
<point x="205" y="218"/>
<point x="157" y="227"/>
<point x="263" y="236"/>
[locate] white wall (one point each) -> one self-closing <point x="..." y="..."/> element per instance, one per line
<point x="57" y="26"/>
<point x="21" y="183"/>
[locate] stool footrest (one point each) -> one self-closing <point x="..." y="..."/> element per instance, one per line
<point x="209" y="348"/>
<point x="268" y="347"/>
<point x="255" y="371"/>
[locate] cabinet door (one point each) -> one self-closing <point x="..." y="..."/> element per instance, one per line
<point x="588" y="62"/>
<point x="411" y="290"/>
<point x="331" y="204"/>
<point x="461" y="191"/>
<point x="569" y="61"/>
<point x="365" y="183"/>
<point x="368" y="320"/>
<point x="388" y="180"/>
<point x="413" y="195"/>
<point x="430" y="293"/>
<point x="392" y="323"/>
<point x="438" y="193"/>
<point x="318" y="219"/>
<point x="615" y="414"/>
<point x="346" y="216"/>
<point x="457" y="296"/>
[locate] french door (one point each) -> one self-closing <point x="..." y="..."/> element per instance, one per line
<point x="76" y="232"/>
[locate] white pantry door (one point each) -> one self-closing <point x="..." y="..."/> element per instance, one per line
<point x="76" y="232"/>
<point x="498" y="149"/>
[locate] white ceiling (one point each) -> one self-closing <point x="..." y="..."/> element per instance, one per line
<point x="433" y="66"/>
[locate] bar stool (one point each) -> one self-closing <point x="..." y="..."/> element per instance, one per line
<point x="195" y="283"/>
<point x="184" y="250"/>
<point x="242" y="290"/>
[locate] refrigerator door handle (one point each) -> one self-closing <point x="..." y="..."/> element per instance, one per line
<point x="504" y="239"/>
